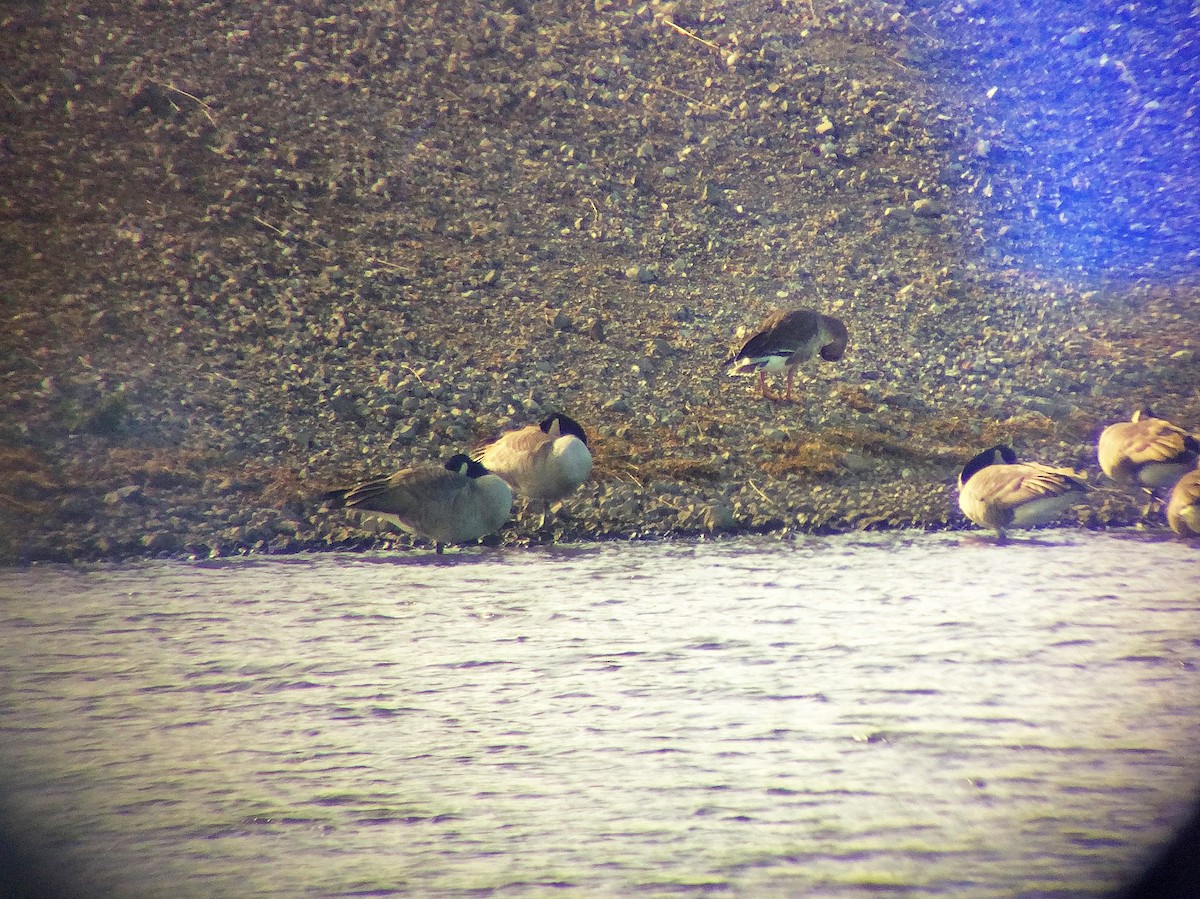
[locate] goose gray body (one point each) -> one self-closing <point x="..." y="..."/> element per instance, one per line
<point x="1183" y="509"/>
<point x="996" y="491"/>
<point x="784" y="340"/>
<point x="544" y="462"/>
<point x="1146" y="451"/>
<point x="454" y="503"/>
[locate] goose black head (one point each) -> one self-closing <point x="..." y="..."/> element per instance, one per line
<point x="465" y="465"/>
<point x="836" y="348"/>
<point x="997" y="455"/>
<point x="566" y="425"/>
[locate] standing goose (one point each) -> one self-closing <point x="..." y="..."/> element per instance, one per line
<point x="1183" y="511"/>
<point x="543" y="462"/>
<point x="784" y="340"/>
<point x="454" y="503"/>
<point x="998" y="492"/>
<point x="1146" y="451"/>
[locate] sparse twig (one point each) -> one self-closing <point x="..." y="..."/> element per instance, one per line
<point x="694" y="37"/>
<point x="8" y="501"/>
<point x="374" y="260"/>
<point x="754" y="487"/>
<point x="204" y="107"/>
<point x="271" y="227"/>
<point x="8" y="90"/>
<point x="320" y="248"/>
<point x="681" y="95"/>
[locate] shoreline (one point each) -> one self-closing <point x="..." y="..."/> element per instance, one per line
<point x="345" y="536"/>
<point x="439" y="228"/>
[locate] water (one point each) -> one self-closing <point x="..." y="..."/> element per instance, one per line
<point x="865" y="715"/>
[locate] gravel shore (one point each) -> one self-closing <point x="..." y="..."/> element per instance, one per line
<point x="252" y="252"/>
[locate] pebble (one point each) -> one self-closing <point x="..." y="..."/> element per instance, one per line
<point x="927" y="207"/>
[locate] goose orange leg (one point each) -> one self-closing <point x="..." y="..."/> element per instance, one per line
<point x="762" y="386"/>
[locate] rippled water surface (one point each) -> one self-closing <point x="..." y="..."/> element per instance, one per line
<point x="881" y="714"/>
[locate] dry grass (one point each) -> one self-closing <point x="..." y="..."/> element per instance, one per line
<point x="824" y="454"/>
<point x="148" y="466"/>
<point x="157" y="467"/>
<point x="274" y="485"/>
<point x="970" y="436"/>
<point x="855" y="397"/>
<point x="674" y="468"/>
<point x="660" y="456"/>
<point x="814" y="458"/>
<point x="26" y="478"/>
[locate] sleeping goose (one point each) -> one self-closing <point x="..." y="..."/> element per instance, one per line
<point x="1183" y="511"/>
<point x="998" y="492"/>
<point x="454" y="503"/>
<point x="784" y="340"/>
<point x="543" y="462"/>
<point x="1146" y="451"/>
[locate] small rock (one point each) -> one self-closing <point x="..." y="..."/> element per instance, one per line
<point x="643" y="367"/>
<point x="658" y="347"/>
<point x="927" y="207"/>
<point x="856" y="463"/>
<point x="130" y="493"/>
<point x="160" y="542"/>
<point x="643" y="274"/>
<point x="1013" y="231"/>
<point x="711" y="194"/>
<point x="716" y="517"/>
<point x="150" y="96"/>
<point x="76" y="505"/>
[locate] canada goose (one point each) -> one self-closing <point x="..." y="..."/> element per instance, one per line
<point x="1146" y="451"/>
<point x="998" y="492"/>
<point x="454" y="503"/>
<point x="1183" y="511"/>
<point x="784" y="340"/>
<point x="543" y="462"/>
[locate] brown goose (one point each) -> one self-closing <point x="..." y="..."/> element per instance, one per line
<point x="1146" y="451"/>
<point x="784" y="340"/>
<point x="543" y="462"/>
<point x="998" y="492"/>
<point x="454" y="503"/>
<point x="1183" y="511"/>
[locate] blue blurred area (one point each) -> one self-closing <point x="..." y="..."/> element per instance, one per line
<point x="1082" y="143"/>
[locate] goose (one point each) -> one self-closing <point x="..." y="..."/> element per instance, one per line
<point x="543" y="462"/>
<point x="784" y="340"/>
<point x="1183" y="511"/>
<point x="454" y="503"/>
<point x="1146" y="451"/>
<point x="998" y="492"/>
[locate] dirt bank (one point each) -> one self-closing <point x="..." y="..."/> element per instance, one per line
<point x="251" y="252"/>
